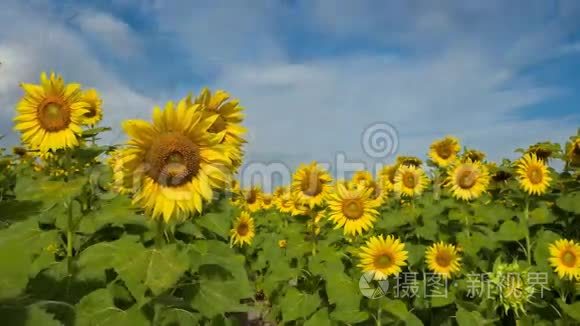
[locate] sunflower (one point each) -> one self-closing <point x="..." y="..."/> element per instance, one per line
<point x="243" y="231"/>
<point x="229" y="116"/>
<point x="410" y="181"/>
<point x="267" y="201"/>
<point x="443" y="259"/>
<point x="298" y="207"/>
<point x="533" y="175"/>
<point x="383" y="256"/>
<point x="50" y="115"/>
<point x="387" y="176"/>
<point x="474" y="155"/>
<point x="253" y="199"/>
<point x="285" y="203"/>
<point x="95" y="110"/>
<point x="565" y="258"/>
<point x="362" y="177"/>
<point x="352" y="209"/>
<point x="174" y="161"/>
<point x="573" y="152"/>
<point x="282" y="243"/>
<point x="278" y="192"/>
<point x="468" y="180"/>
<point x="409" y="160"/>
<point x="444" y="151"/>
<point x="510" y="288"/>
<point x="310" y="184"/>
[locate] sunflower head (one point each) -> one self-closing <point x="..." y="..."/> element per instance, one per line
<point x="383" y="256"/>
<point x="544" y="151"/>
<point x="409" y="160"/>
<point x="94" y="112"/>
<point x="310" y="184"/>
<point x="50" y="115"/>
<point x="565" y="258"/>
<point x="253" y="199"/>
<point x="510" y="287"/>
<point x="410" y="181"/>
<point x="243" y="230"/>
<point x="20" y="151"/>
<point x="267" y="201"/>
<point x="533" y="175"/>
<point x="362" y="177"/>
<point x="387" y="176"/>
<point x="173" y="163"/>
<point x="473" y="155"/>
<point x="468" y="180"/>
<point x="573" y="151"/>
<point x="443" y="259"/>
<point x="282" y="244"/>
<point x="444" y="151"/>
<point x="352" y="209"/>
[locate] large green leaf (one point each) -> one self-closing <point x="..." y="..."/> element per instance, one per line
<point x="569" y="202"/>
<point x="27" y="316"/>
<point x="216" y="297"/>
<point x="177" y="317"/>
<point x="320" y="318"/>
<point x="349" y="316"/>
<point x="97" y="308"/>
<point x="541" y="215"/>
<point x="49" y="192"/>
<point x="541" y="252"/>
<point x="511" y="231"/>
<point x="117" y="211"/>
<point x="342" y="290"/>
<point x="469" y="318"/>
<point x="297" y="305"/>
<point x="572" y="310"/>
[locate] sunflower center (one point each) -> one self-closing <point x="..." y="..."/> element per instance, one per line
<point x="353" y="209"/>
<point x="443" y="259"/>
<point x="251" y="197"/>
<point x="243" y="229"/>
<point x="383" y="261"/>
<point x="54" y="116"/>
<point x="466" y="178"/>
<point x="91" y="112"/>
<point x="311" y="185"/>
<point x="444" y="151"/>
<point x="409" y="180"/>
<point x="173" y="160"/>
<point x="535" y="175"/>
<point x="569" y="259"/>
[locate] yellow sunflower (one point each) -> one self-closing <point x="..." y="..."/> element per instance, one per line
<point x="565" y="258"/>
<point x="383" y="256"/>
<point x="473" y="155"/>
<point x="253" y="199"/>
<point x="310" y="184"/>
<point x="282" y="244"/>
<point x="362" y="177"/>
<point x="443" y="259"/>
<point x="410" y="181"/>
<point x="444" y="151"/>
<point x="50" y="115"/>
<point x="174" y="161"/>
<point x="298" y="207"/>
<point x="468" y="180"/>
<point x="352" y="209"/>
<point x="387" y="176"/>
<point x="243" y="231"/>
<point x="267" y="201"/>
<point x="533" y="175"/>
<point x="284" y="203"/>
<point x="95" y="108"/>
<point x="573" y="152"/>
<point x="229" y="117"/>
<point x="409" y="160"/>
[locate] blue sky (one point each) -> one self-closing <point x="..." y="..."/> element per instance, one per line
<point x="313" y="74"/>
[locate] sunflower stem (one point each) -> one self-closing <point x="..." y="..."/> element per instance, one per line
<point x="69" y="238"/>
<point x="379" y="312"/>
<point x="159" y="237"/>
<point x="527" y="224"/>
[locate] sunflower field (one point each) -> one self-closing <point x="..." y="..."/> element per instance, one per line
<point x="158" y="231"/>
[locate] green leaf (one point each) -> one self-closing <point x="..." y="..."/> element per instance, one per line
<point x="27" y="316"/>
<point x="297" y="305"/>
<point x="441" y="301"/>
<point x="98" y="309"/>
<point x="397" y="308"/>
<point x="157" y="269"/>
<point x="342" y="290"/>
<point x="569" y="202"/>
<point x="572" y="310"/>
<point x="511" y="231"/>
<point x="541" y="252"/>
<point x="416" y="253"/>
<point x="95" y="260"/>
<point x="428" y="230"/>
<point x="541" y="215"/>
<point x="176" y="317"/>
<point x="320" y="318"/>
<point x="47" y="191"/>
<point x="349" y="316"/>
<point x="468" y="318"/>
<point x="117" y="211"/>
<point x="218" y="223"/>
<point x="216" y="297"/>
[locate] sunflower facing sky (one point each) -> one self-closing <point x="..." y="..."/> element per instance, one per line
<point x="443" y="259"/>
<point x="352" y="209"/>
<point x="565" y="258"/>
<point x="533" y="175"/>
<point x="229" y="119"/>
<point x="410" y="181"/>
<point x="174" y="160"/>
<point x="243" y="231"/>
<point x="383" y="256"/>
<point x="310" y="184"/>
<point x="468" y="180"/>
<point x="94" y="112"/>
<point x="50" y="115"/>
<point x="444" y="151"/>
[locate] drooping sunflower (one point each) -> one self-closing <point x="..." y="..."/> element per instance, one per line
<point x="444" y="151"/>
<point x="310" y="184"/>
<point x="533" y="175"/>
<point x="94" y="112"/>
<point x="474" y="155"/>
<point x="243" y="231"/>
<point x="409" y="160"/>
<point x="573" y="152"/>
<point x="468" y="180"/>
<point x="383" y="256"/>
<point x="565" y="258"/>
<point x="410" y="181"/>
<point x="443" y="259"/>
<point x="229" y="119"/>
<point x="253" y="199"/>
<point x="362" y="177"/>
<point x="50" y="115"/>
<point x="352" y="209"/>
<point x="510" y="287"/>
<point x="174" y="162"/>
